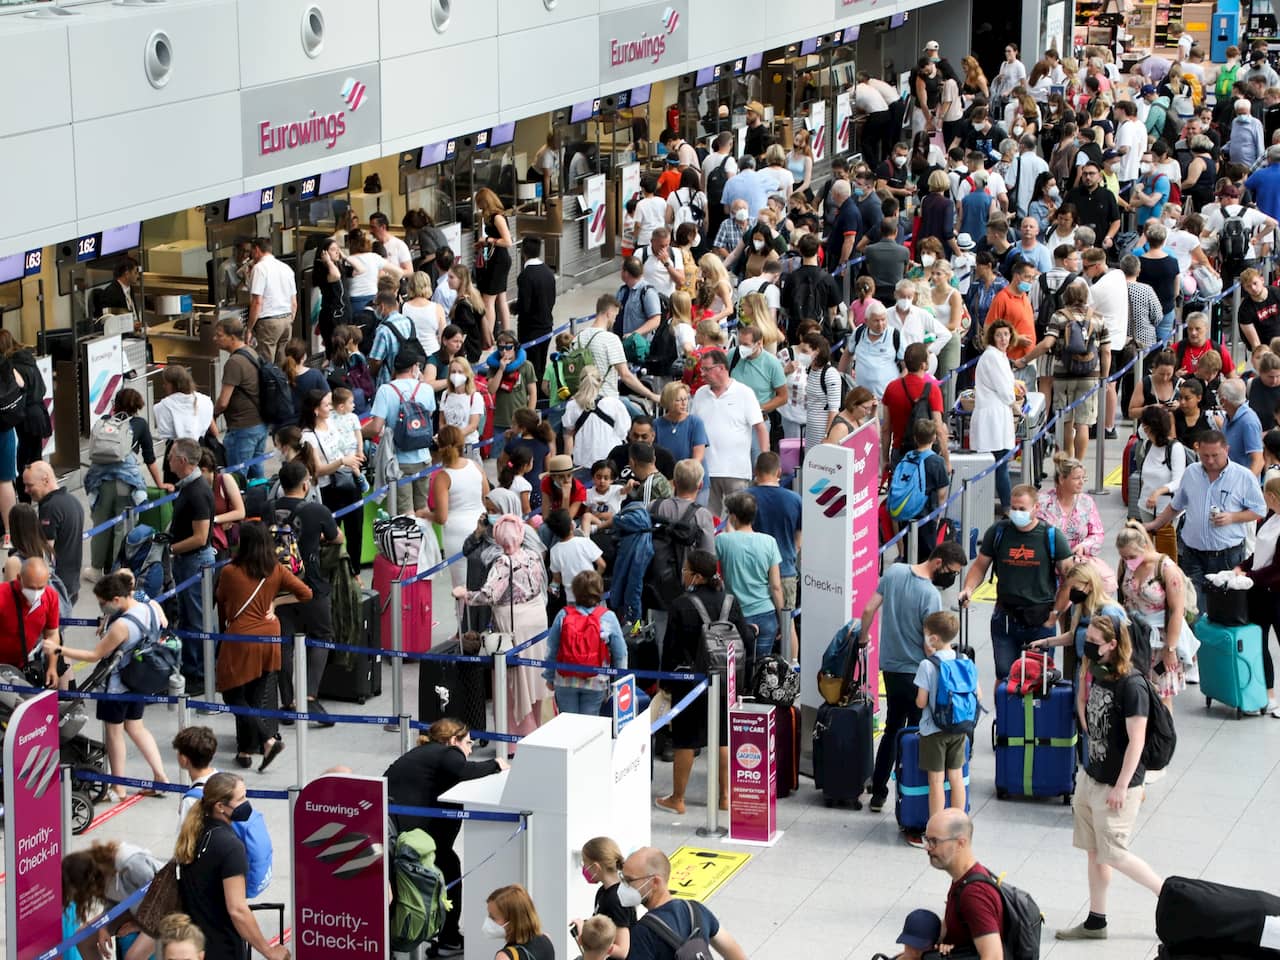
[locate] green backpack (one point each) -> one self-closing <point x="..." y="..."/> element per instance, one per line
<point x="344" y="599"/>
<point x="1226" y="80"/>
<point x="419" y="906"/>
<point x="578" y="357"/>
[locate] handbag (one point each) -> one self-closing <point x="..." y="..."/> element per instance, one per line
<point x="493" y="642"/>
<point x="161" y="899"/>
<point x="342" y="479"/>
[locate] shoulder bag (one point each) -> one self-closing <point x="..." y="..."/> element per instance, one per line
<point x="494" y="642"/>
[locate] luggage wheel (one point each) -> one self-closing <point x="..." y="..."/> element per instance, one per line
<point x="1208" y="702"/>
<point x="81" y="811"/>
<point x="1002" y="794"/>
<point x="1066" y="799"/>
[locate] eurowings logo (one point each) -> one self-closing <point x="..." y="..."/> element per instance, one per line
<point x="671" y="18"/>
<point x="830" y="497"/>
<point x="351" y="851"/>
<point x="39" y="768"/>
<point x="353" y="92"/>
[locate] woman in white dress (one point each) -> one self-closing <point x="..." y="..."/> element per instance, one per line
<point x="458" y="490"/>
<point x="949" y="310"/>
<point x="995" y="402"/>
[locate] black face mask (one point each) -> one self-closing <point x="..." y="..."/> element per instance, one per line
<point x="1078" y="596"/>
<point x="945" y="578"/>
<point x="1091" y="651"/>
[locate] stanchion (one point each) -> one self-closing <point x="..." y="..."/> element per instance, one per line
<point x="500" y="701"/>
<point x="965" y="521"/>
<point x="396" y="602"/>
<point x="712" y="753"/>
<point x="210" y="628"/>
<point x="1235" y="320"/>
<point x="300" y="696"/>
<point x="1100" y="446"/>
<point x="64" y="785"/>
<point x="1028" y="456"/>
<point x="913" y="542"/>
<point x="949" y="391"/>
<point x="528" y="848"/>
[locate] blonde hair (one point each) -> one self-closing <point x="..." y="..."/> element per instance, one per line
<point x="179" y="928"/>
<point x="598" y="933"/>
<point x="516" y="907"/>
<point x="420" y="285"/>
<point x="588" y="393"/>
<point x="710" y="331"/>
<point x="713" y="271"/>
<point x="754" y="311"/>
<point x="1087" y="577"/>
<point x="669" y="394"/>
<point x="461" y="361"/>
<point x="1064" y="465"/>
<point x="466" y="291"/>
<point x="219" y="788"/>
<point x="604" y="851"/>
<point x="1134" y="534"/>
<point x="1106" y="626"/>
<point x="681" y="308"/>
<point x="775" y="155"/>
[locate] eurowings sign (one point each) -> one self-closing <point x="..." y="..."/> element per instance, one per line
<point x="638" y="40"/>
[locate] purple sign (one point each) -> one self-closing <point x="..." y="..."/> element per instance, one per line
<point x="753" y="774"/>
<point x="340" y="869"/>
<point x="33" y="829"/>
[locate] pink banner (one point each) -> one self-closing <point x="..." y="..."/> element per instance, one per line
<point x="864" y="517"/>
<point x="340" y="869"/>
<point x="32" y="829"/>
<point x="753" y="774"/>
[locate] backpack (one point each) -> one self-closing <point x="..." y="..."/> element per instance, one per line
<point x="1233" y="238"/>
<point x="581" y="642"/>
<point x="920" y="410"/>
<point x="717" y="636"/>
<point x="14" y="399"/>
<point x="1171" y="128"/>
<point x="717" y="179"/>
<point x="413" y="423"/>
<point x="1080" y="346"/>
<point x="696" y="947"/>
<point x="908" y="492"/>
<point x="257" y="847"/>
<point x="802" y="304"/>
<point x="861" y="333"/>
<point x="1226" y="80"/>
<point x="110" y="440"/>
<point x="410" y="345"/>
<point x="775" y="682"/>
<point x="1162" y="737"/>
<point x="955" y="702"/>
<point x="578" y="357"/>
<point x="688" y="211"/>
<point x="419" y="903"/>
<point x="146" y="667"/>
<point x="285" y="533"/>
<point x="672" y="540"/>
<point x="275" y="396"/>
<point x="354" y="374"/>
<point x="663" y="353"/>
<point x="1020" y="932"/>
<point x="1050" y="302"/>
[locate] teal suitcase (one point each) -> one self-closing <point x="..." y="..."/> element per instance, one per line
<point x="1230" y="660"/>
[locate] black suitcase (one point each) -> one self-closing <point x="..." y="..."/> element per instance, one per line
<point x="355" y="677"/>
<point x="787" y="724"/>
<point x="447" y="688"/>
<point x="843" y="750"/>
<point x="281" y="936"/>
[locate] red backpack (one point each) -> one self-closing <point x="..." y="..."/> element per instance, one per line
<point x="580" y="640"/>
<point x="486" y="422"/>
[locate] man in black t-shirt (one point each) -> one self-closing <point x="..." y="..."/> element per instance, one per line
<point x="1259" y="309"/>
<point x="1096" y="206"/>
<point x="1105" y="806"/>
<point x="315" y="525"/>
<point x="1264" y="391"/>
<point x="62" y="520"/>
<point x="809" y="292"/>
<point x="642" y="431"/>
<point x="190" y="530"/>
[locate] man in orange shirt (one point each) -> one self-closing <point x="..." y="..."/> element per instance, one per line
<point x="669" y="180"/>
<point x="1013" y="303"/>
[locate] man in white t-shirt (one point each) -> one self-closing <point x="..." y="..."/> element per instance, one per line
<point x="729" y="412"/>
<point x="721" y="152"/>
<point x="768" y="283"/>
<point x="651" y="212"/>
<point x="1026" y="170"/>
<point x="397" y="250"/>
<point x="273" y="302"/>
<point x="1131" y="143"/>
<point x="1109" y="296"/>
<point x="662" y="270"/>
<point x="606" y="350"/>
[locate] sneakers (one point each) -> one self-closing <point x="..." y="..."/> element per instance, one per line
<point x="443" y="948"/>
<point x="914" y="839"/>
<point x="1276" y="713"/>
<point x="1191" y="672"/>
<point x="1081" y="932"/>
<point x="878" y="798"/>
<point x="91" y="574"/>
<point x="1111" y="434"/>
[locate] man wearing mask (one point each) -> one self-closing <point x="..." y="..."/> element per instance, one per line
<point x="646" y="878"/>
<point x="983" y="135"/>
<point x="874" y="351"/>
<point x="28" y="617"/>
<point x="870" y="207"/>
<point x="892" y="174"/>
<point x="762" y="372"/>
<point x="1028" y="556"/>
<point x="905" y="595"/>
<point x="1013" y="303"/>
<point x="732" y="230"/>
<point x="750" y="185"/>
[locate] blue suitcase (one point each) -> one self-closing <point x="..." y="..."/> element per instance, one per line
<point x="1034" y="739"/>
<point x="1230" y="660"/>
<point x="911" y="803"/>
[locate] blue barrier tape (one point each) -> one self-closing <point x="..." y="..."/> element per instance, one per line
<point x="177" y="588"/>
<point x="678" y="708"/>
<point x="77" y="622"/>
<point x="605" y="671"/>
<point x="475" y="734"/>
<point x="964" y="366"/>
<point x="447" y="813"/>
<point x="239" y="467"/>
<point x="94" y="925"/>
<point x="432" y="571"/>
<point x="232" y="637"/>
<point x="211" y="707"/>
<point x="93" y="776"/>
<point x="399" y="654"/>
<point x="527" y="644"/>
<point x="92" y="695"/>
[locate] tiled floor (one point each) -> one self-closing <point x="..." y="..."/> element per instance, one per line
<point x="839" y="882"/>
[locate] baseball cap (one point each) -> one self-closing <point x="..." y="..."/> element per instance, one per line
<point x="965" y="242"/>
<point x="1110" y="155"/>
<point x="756" y="107"/>
<point x="1147" y="88"/>
<point x="920" y="930"/>
<point x="931" y="45"/>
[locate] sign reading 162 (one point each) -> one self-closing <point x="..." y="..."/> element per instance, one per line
<point x="87" y="247"/>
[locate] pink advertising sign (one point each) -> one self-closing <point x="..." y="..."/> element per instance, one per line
<point x="340" y="869"/>
<point x="864" y="518"/>
<point x="753" y="774"/>
<point x="32" y="829"/>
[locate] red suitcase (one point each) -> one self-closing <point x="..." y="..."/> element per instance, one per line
<point x="415" y="599"/>
<point x="787" y="758"/>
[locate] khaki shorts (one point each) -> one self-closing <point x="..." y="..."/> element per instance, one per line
<point x="1067" y="392"/>
<point x="1097" y="827"/>
<point x="421" y="487"/>
<point x="940" y="752"/>
<point x="789" y="592"/>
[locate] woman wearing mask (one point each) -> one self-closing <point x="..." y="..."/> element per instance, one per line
<point x="1263" y="567"/>
<point x="823" y="388"/>
<point x="949" y="310"/>
<point x="516" y="588"/>
<point x="602" y="863"/>
<point x="211" y="882"/>
<point x="800" y="162"/>
<point x="439" y="763"/>
<point x="493" y="257"/>
<point x="99" y="878"/>
<point x="1162" y="469"/>
<point x="1066" y="506"/>
<point x="247" y="592"/>
<point x="1045" y="197"/>
<point x="761" y="244"/>
<point x="1088" y="599"/>
<point x="513" y="920"/>
<point x="462" y="406"/>
<point x="427" y="316"/>
<point x="458" y="490"/>
<point x="1154" y="590"/>
<point x="991" y="428"/>
<point x="703" y="589"/>
<point x="288" y="441"/>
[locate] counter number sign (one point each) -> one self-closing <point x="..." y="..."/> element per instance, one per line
<point x="32" y="262"/>
<point x="268" y="198"/>
<point x="307" y="191"/>
<point x="87" y="248"/>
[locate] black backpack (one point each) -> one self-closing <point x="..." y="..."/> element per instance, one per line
<point x="662" y="348"/>
<point x="1020" y="933"/>
<point x="1233" y="238"/>
<point x="1050" y="302"/>
<point x="716" y="181"/>
<point x="1162" y="737"/>
<point x="275" y="396"/>
<point x="672" y="540"/>
<point x="696" y="947"/>
<point x="802" y="300"/>
<point x="1079" y="347"/>
<point x="920" y="410"/>
<point x="410" y="345"/>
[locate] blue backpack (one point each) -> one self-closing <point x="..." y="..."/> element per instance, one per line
<point x="955" y="703"/>
<point x="257" y="847"/>
<point x="836" y="657"/>
<point x="413" y="424"/>
<point x="908" y="492"/>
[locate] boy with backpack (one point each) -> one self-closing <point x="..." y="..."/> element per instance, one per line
<point x="948" y="694"/>
<point x="586" y="634"/>
<point x="918" y="484"/>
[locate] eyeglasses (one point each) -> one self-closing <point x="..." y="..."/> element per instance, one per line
<point x="633" y="880"/>
<point x="506" y="346"/>
<point x="931" y="842"/>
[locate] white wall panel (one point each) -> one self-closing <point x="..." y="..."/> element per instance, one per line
<point x="517" y="15"/>
<point x="37" y="54"/>
<point x="39" y="202"/>
<point x="786" y="21"/>
<point x="547" y="63"/>
<point x="271" y="38"/>
<point x="712" y="34"/>
<point x="407" y="28"/>
<point x="157" y="154"/>
<point x="464" y="80"/>
<point x="106" y="50"/>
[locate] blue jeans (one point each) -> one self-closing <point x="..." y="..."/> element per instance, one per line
<point x="579" y="700"/>
<point x="1164" y="329"/>
<point x="190" y="608"/>
<point x="1008" y="637"/>
<point x="359" y="303"/>
<point x="246" y="443"/>
<point x="1004" y="489"/>
<point x="766" y="639"/>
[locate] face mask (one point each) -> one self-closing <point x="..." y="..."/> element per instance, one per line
<point x="1091" y="650"/>
<point x="242" y="813"/>
<point x="944" y="578"/>
<point x="33" y="597"/>
<point x="859" y="192"/>
<point x="1078" y="596"/>
<point x="458" y="379"/>
<point x="1020" y="518"/>
<point x="494" y="518"/>
<point x="899" y="161"/>
<point x="1144" y="168"/>
<point x="1024" y="286"/>
<point x="903" y="304"/>
<point x="803" y="360"/>
<point x="758" y="244"/>
<point x="697" y="239"/>
<point x="1132" y="563"/>
<point x="110" y="609"/>
<point x="746" y="353"/>
<point x="629" y="896"/>
<point x="492" y="929"/>
<point x="588" y="875"/>
<point x="740" y="216"/>
<point x="927" y="259"/>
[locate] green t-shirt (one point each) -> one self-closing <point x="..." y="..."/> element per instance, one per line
<point x="1025" y="567"/>
<point x="506" y="403"/>
<point x="745" y="558"/>
<point x="763" y="374"/>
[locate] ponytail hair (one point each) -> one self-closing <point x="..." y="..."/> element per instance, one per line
<point x="295" y="358"/>
<point x="604" y="851"/>
<point x="219" y="788"/>
<point x="516" y="459"/>
<point x="705" y="565"/>
<point x="179" y="928"/>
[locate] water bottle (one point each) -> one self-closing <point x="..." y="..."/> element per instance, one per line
<point x="177" y="688"/>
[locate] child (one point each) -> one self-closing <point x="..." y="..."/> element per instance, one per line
<point x="570" y="555"/>
<point x="595" y="937"/>
<point x="604" y="499"/>
<point x="513" y="491"/>
<point x="682" y="323"/>
<point x="707" y="336"/>
<point x="553" y="386"/>
<point x="344" y="423"/>
<point x="941" y="754"/>
<point x="920" y="934"/>
<point x="1209" y="373"/>
<point x="864" y="289"/>
<point x="534" y="434"/>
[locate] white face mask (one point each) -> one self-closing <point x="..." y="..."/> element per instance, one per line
<point x="1144" y="168"/>
<point x="746" y="352"/>
<point x="758" y="244"/>
<point x="1055" y="194"/>
<point x="493" y="929"/>
<point x="33" y="596"/>
<point x="903" y="304"/>
<point x="899" y="161"/>
<point x="458" y="379"/>
<point x="740" y="216"/>
<point x="629" y="896"/>
<point x="927" y="259"/>
<point x="803" y="360"/>
<point x="697" y="240"/>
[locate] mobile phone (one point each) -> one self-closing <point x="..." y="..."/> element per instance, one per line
<point x="784" y="355"/>
<point x="1160" y="669"/>
<point x="573" y="931"/>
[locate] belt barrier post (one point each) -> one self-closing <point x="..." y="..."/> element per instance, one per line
<point x="300" y="687"/>
<point x="397" y="665"/>
<point x="913" y="542"/>
<point x="64" y="787"/>
<point x="500" y="693"/>
<point x="1100" y="446"/>
<point x="1028" y="454"/>
<point x="528" y="848"/>
<point x="949" y="391"/>
<point x="712" y="753"/>
<point x="1235" y="320"/>
<point x="1135" y="374"/>
<point x="965" y="520"/>
<point x="210" y="627"/>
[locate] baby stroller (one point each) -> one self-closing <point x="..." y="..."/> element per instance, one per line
<point x="79" y="751"/>
<point x="1200" y="919"/>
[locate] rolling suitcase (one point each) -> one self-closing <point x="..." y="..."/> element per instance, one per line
<point x="787" y="756"/>
<point x="911" y="790"/>
<point x="447" y="688"/>
<point x="843" y="749"/>
<point x="282" y="935"/>
<point x="415" y="615"/>
<point x="1230" y="660"/>
<point x="351" y="676"/>
<point x="1034" y="739"/>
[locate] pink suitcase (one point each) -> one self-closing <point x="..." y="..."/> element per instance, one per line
<point x="790" y="451"/>
<point x="415" y="598"/>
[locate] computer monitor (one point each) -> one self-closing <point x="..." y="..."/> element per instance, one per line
<point x="581" y="112"/>
<point x="755" y="61"/>
<point x="851" y="33"/>
<point x="334" y="180"/>
<point x="11" y="267"/>
<point x="809" y="46"/>
<point x="244" y="205"/>
<point x="897" y="20"/>
<point x="705" y="77"/>
<point x="432" y="153"/>
<point x="502" y="133"/>
<point x="119" y="239"/>
<point x="639" y="95"/>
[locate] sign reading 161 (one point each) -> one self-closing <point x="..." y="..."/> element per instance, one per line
<point x="268" y="198"/>
<point x="32" y="262"/>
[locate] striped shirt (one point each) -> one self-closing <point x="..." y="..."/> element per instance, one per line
<point x="822" y="396"/>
